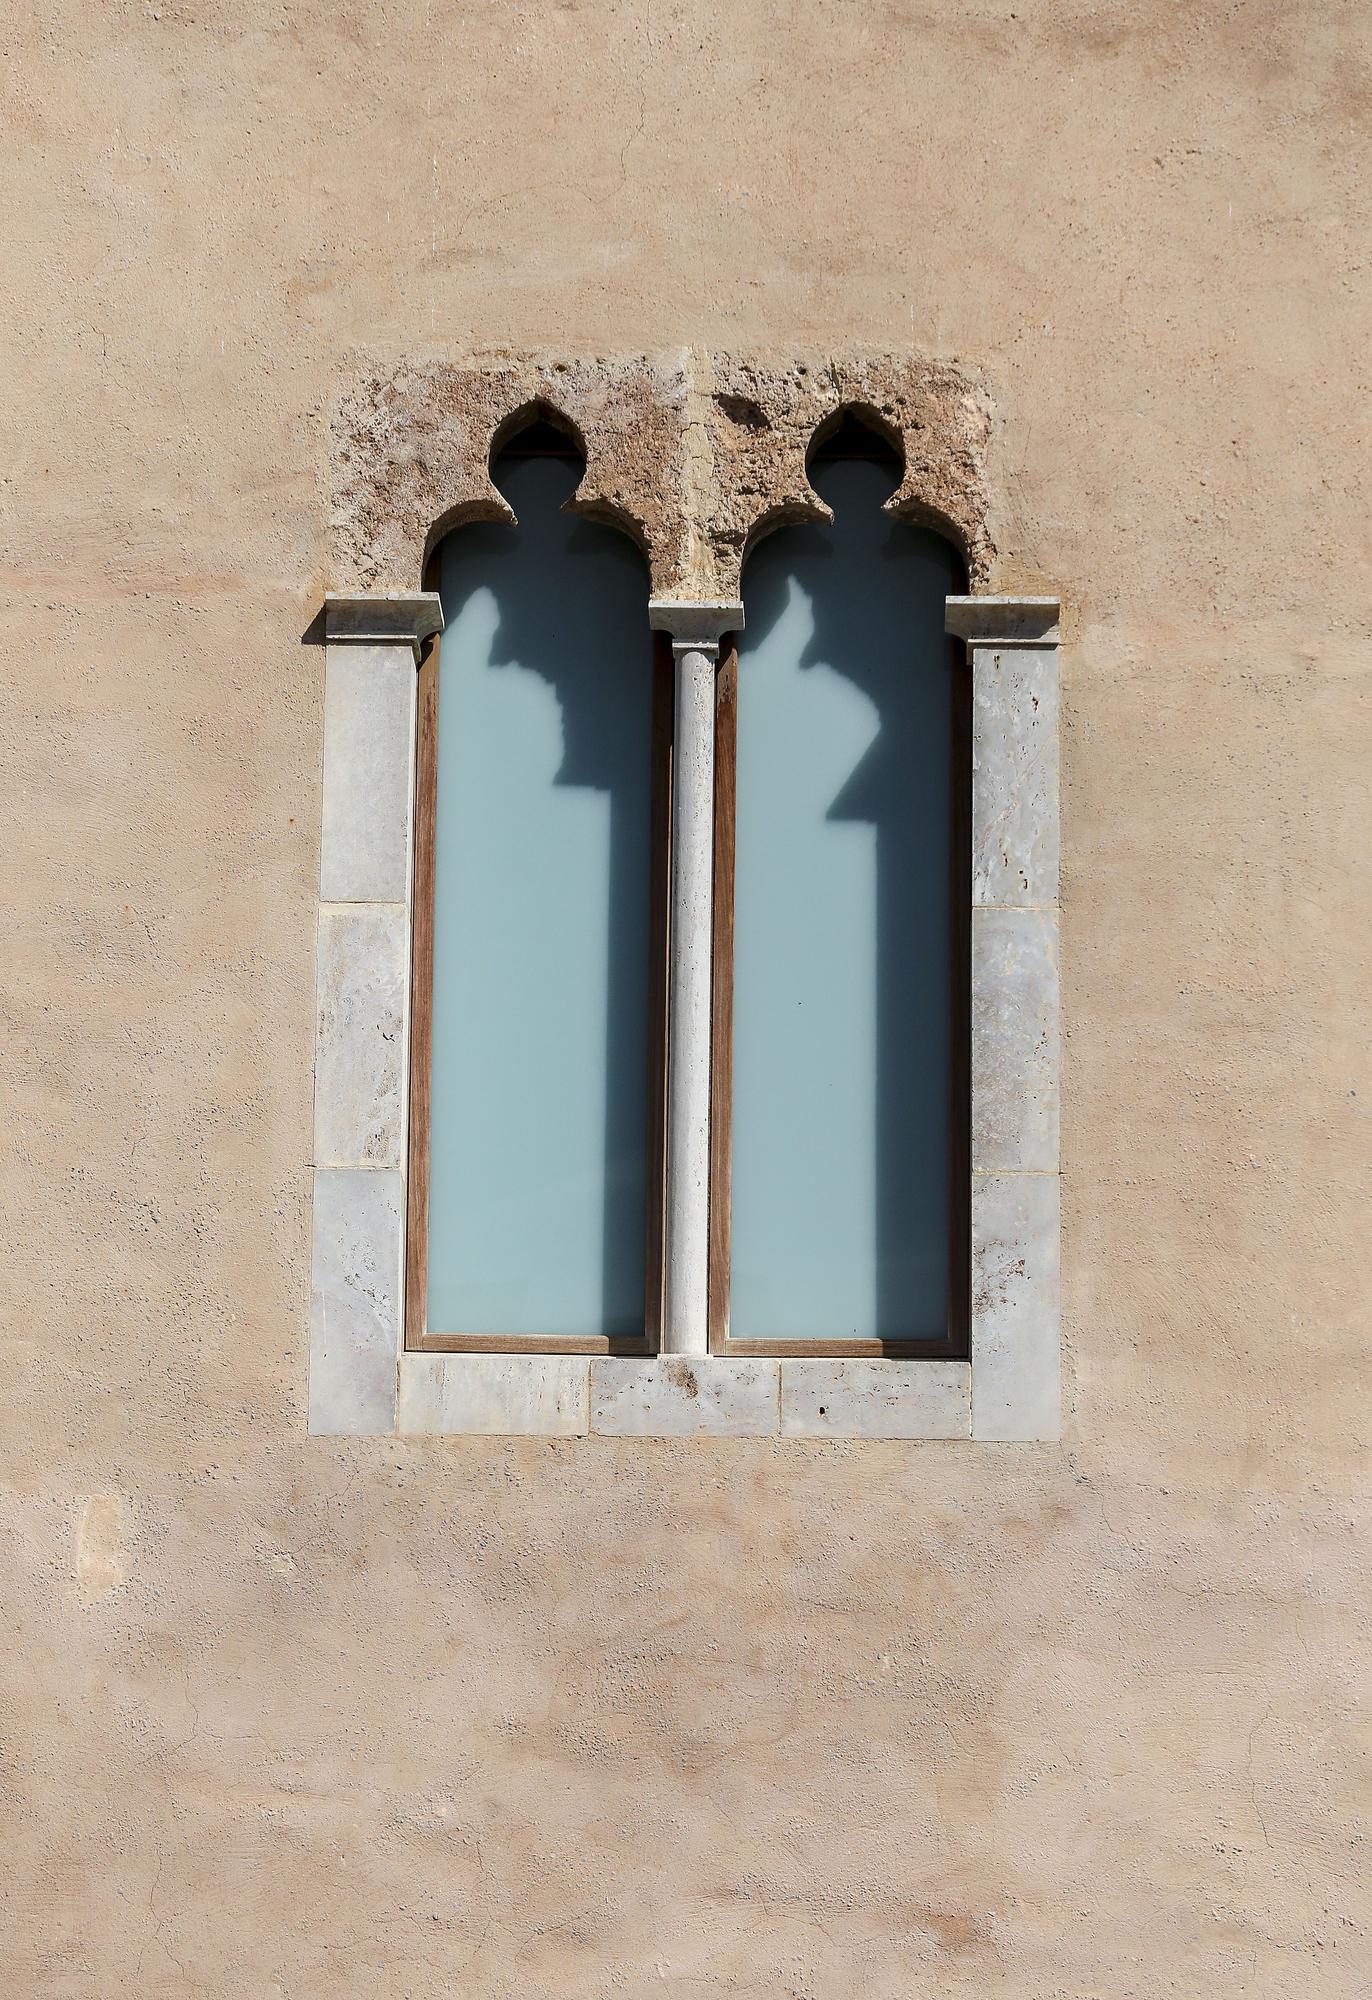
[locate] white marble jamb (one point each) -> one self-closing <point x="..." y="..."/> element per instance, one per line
<point x="681" y="1396"/>
<point x="1016" y="1306"/>
<point x="355" y="1293"/>
<point x="359" y="1035"/>
<point x="1015" y="1041"/>
<point x="495" y="1395"/>
<point x="1015" y="775"/>
<point x="823" y="1398"/>
<point x="369" y="697"/>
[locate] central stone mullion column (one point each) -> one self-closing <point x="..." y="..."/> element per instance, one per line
<point x="695" y="630"/>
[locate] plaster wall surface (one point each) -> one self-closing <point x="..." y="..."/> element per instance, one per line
<point x="303" y="1719"/>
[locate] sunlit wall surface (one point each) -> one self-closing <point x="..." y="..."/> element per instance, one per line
<point x="842" y="964"/>
<point x="541" y="923"/>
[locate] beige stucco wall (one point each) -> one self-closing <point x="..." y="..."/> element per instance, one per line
<point x="290" y="1718"/>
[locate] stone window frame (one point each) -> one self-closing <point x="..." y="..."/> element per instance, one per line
<point x="362" y="1378"/>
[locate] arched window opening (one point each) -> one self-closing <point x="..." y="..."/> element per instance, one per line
<point x="841" y="1013"/>
<point x="536" y="1118"/>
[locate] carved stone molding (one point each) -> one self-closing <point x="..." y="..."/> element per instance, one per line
<point x="692" y="454"/>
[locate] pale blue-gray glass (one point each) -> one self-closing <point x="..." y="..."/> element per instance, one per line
<point x="541" y="914"/>
<point x="841" y="1026"/>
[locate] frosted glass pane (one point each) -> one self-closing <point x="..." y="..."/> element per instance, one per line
<point x="841" y="946"/>
<point x="536" y="1219"/>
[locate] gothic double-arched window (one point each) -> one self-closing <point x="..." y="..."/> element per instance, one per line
<point x="838" y="1183"/>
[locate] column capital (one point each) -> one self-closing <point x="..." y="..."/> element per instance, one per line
<point x="696" y="625"/>
<point x="382" y="618"/>
<point x="1003" y="621"/>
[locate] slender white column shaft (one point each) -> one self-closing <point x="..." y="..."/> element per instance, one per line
<point x="686" y="1318"/>
<point x="696" y="630"/>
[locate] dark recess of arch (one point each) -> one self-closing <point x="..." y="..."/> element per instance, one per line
<point x="857" y="430"/>
<point x="537" y="429"/>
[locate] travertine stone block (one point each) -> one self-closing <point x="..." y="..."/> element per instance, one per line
<point x="1015" y="1043"/>
<point x="875" y="1399"/>
<point x="679" y="1396"/>
<point x="369" y="700"/>
<point x="495" y="1395"/>
<point x="383" y="617"/>
<point x="1016" y="1306"/>
<point x="355" y="1293"/>
<point x="360" y="1035"/>
<point x="993" y="618"/>
<point x="1015" y="775"/>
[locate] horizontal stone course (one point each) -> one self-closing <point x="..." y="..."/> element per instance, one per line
<point x="678" y="1397"/>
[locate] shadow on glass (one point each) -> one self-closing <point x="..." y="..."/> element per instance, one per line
<point x="842" y="964"/>
<point x="538" y="1101"/>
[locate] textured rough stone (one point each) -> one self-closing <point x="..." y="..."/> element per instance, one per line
<point x="360" y="1035"/>
<point x="875" y="1399"/>
<point x="677" y="1397"/>
<point x="413" y="449"/>
<point x="763" y="415"/>
<point x="693" y="454"/>
<point x="495" y="1395"/>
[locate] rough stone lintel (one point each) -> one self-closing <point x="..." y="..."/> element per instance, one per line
<point x="694" y="455"/>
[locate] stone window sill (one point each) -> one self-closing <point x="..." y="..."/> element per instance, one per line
<point x="677" y="1396"/>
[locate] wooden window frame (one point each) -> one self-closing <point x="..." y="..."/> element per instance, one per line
<point x="419" y="1337"/>
<point x="955" y="1345"/>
